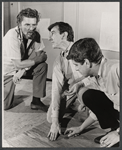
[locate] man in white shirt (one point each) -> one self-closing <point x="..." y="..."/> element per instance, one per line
<point x="104" y="102"/>
<point x="64" y="76"/>
<point x="24" y="55"/>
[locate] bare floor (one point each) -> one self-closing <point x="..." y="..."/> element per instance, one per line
<point x="24" y="127"/>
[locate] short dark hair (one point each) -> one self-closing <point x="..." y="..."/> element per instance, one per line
<point x="28" y="12"/>
<point x="64" y="27"/>
<point x="86" y="48"/>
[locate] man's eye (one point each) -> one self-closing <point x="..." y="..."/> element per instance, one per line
<point x="52" y="33"/>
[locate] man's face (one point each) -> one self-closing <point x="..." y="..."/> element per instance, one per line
<point x="28" y="26"/>
<point x="83" y="69"/>
<point x="55" y="37"/>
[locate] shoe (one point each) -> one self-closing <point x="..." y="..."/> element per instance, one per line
<point x="39" y="106"/>
<point x="97" y="139"/>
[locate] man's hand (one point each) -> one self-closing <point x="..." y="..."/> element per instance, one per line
<point x="16" y="79"/>
<point x="18" y="75"/>
<point x="81" y="107"/>
<point x="74" y="131"/>
<point x="41" y="58"/>
<point x="54" y="131"/>
<point x="110" y="139"/>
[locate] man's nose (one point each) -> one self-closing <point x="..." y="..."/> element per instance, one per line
<point x="76" y="68"/>
<point x="50" y="37"/>
<point x="31" y="28"/>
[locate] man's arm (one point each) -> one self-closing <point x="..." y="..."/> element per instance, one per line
<point x="75" y="131"/>
<point x="40" y="57"/>
<point x="23" y="64"/>
<point x="57" y="82"/>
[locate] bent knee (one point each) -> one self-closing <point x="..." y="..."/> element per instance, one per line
<point x="89" y="96"/>
<point x="41" y="67"/>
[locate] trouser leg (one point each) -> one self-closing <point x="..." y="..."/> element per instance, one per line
<point x="102" y="107"/>
<point x="39" y="80"/>
<point x="64" y="104"/>
<point x="9" y="88"/>
<point x="61" y="113"/>
<point x="39" y="75"/>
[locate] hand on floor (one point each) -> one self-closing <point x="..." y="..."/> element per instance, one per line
<point x="54" y="131"/>
<point x="74" y="131"/>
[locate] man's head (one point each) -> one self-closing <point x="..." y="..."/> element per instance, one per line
<point x="27" y="21"/>
<point x="59" y="33"/>
<point x="85" y="54"/>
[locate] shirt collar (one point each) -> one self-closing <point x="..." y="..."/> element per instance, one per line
<point x="19" y="33"/>
<point x="64" y="53"/>
<point x="70" y="45"/>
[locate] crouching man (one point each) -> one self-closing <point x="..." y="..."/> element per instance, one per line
<point x="103" y="103"/>
<point x="24" y="55"/>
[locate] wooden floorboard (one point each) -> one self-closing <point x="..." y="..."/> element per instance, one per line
<point x="24" y="127"/>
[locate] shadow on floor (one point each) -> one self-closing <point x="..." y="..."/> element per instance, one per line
<point x="19" y="99"/>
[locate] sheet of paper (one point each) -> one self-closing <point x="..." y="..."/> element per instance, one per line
<point x="43" y="27"/>
<point x="109" y="32"/>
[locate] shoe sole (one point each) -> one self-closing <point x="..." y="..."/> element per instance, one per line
<point x="35" y="108"/>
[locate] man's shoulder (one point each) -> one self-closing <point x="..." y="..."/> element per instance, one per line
<point x="59" y="61"/>
<point x="112" y="65"/>
<point x="12" y="32"/>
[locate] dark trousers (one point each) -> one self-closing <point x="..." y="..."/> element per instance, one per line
<point x="64" y="104"/>
<point x="102" y="107"/>
<point x="39" y="75"/>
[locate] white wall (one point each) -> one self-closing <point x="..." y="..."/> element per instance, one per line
<point x="86" y="18"/>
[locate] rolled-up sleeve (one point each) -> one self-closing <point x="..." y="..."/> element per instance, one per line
<point x="39" y="46"/>
<point x="11" y="46"/>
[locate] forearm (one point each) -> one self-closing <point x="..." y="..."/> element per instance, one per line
<point x="55" y="120"/>
<point x="57" y="82"/>
<point x="20" y="73"/>
<point x="55" y="105"/>
<point x="87" y="123"/>
<point x="25" y="64"/>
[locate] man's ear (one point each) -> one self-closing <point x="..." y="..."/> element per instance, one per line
<point x="88" y="63"/>
<point x="65" y="34"/>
